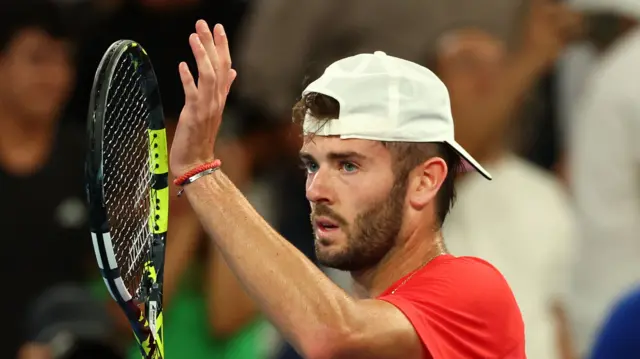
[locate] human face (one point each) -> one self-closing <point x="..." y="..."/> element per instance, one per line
<point x="37" y="73"/>
<point x="356" y="204"/>
<point x="470" y="61"/>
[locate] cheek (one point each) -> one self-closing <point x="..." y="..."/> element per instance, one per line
<point x="363" y="196"/>
<point x="57" y="77"/>
<point x="17" y="85"/>
<point x="50" y="85"/>
<point x="23" y="78"/>
<point x="308" y="181"/>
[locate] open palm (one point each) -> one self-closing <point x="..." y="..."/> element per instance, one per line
<point x="204" y="102"/>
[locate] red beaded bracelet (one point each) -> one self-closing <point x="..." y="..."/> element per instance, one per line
<point x="197" y="172"/>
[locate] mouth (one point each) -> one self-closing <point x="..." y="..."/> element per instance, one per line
<point x="325" y="225"/>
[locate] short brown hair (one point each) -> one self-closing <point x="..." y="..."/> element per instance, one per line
<point x="406" y="155"/>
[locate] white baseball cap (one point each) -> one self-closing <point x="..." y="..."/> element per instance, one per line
<point x="622" y="7"/>
<point x="385" y="98"/>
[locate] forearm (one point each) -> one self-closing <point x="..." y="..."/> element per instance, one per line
<point x="229" y="306"/>
<point x="291" y="291"/>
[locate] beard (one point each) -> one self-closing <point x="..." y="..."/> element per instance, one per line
<point x="371" y="235"/>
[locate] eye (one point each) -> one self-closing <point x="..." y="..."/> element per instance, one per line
<point x="309" y="167"/>
<point x="348" y="167"/>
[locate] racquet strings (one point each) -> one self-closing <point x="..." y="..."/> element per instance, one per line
<point x="127" y="174"/>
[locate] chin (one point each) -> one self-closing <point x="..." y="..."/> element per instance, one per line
<point x="336" y="258"/>
<point x="326" y="248"/>
<point x="328" y="252"/>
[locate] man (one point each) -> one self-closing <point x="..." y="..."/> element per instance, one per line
<point x="41" y="162"/>
<point x="381" y="161"/>
<point x="604" y="163"/>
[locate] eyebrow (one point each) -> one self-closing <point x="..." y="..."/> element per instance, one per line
<point x="335" y="156"/>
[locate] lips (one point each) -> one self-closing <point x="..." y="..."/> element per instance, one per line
<point x="325" y="224"/>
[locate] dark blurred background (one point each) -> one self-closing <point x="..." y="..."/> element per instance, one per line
<point x="543" y="93"/>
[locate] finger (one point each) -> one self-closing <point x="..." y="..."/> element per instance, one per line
<point x="232" y="76"/>
<point x="206" y="37"/>
<point x="188" y="85"/>
<point x="206" y="75"/>
<point x="222" y="47"/>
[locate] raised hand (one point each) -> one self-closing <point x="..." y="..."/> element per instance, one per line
<point x="550" y="27"/>
<point x="204" y="102"/>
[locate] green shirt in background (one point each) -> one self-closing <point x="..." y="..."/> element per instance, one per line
<point x="186" y="331"/>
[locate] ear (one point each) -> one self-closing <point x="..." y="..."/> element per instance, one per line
<point x="425" y="182"/>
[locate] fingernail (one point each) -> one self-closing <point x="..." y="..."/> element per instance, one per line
<point x="222" y="30"/>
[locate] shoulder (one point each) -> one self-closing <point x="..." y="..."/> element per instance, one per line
<point x="469" y="282"/>
<point x="545" y="193"/>
<point x="617" y="336"/>
<point x="467" y="297"/>
<point x="613" y="74"/>
<point x="513" y="172"/>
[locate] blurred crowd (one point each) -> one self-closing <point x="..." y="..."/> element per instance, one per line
<point x="543" y="94"/>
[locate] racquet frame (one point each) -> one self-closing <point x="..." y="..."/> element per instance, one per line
<point x="146" y="322"/>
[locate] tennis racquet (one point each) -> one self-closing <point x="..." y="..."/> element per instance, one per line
<point x="127" y="187"/>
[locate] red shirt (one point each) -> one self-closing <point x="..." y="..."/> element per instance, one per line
<point x="461" y="307"/>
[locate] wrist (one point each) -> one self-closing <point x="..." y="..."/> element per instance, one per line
<point x="195" y="173"/>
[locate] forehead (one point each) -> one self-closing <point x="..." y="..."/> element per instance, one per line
<point x="31" y="39"/>
<point x="471" y="41"/>
<point x="320" y="146"/>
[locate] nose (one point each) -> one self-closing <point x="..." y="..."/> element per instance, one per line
<point x="319" y="188"/>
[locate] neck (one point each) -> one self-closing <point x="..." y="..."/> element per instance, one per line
<point x="24" y="145"/>
<point x="406" y="257"/>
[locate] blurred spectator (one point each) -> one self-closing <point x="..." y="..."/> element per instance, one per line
<point x="521" y="221"/>
<point x="604" y="166"/>
<point x="43" y="221"/>
<point x="66" y="322"/>
<point x="283" y="43"/>
<point x="618" y="336"/>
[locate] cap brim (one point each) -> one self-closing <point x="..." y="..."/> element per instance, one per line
<point x="470" y="160"/>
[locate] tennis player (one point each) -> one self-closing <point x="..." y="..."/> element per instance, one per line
<point x="380" y="158"/>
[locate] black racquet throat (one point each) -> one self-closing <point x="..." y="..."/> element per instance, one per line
<point x="127" y="188"/>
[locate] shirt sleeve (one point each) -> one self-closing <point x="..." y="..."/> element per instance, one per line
<point x="463" y="309"/>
